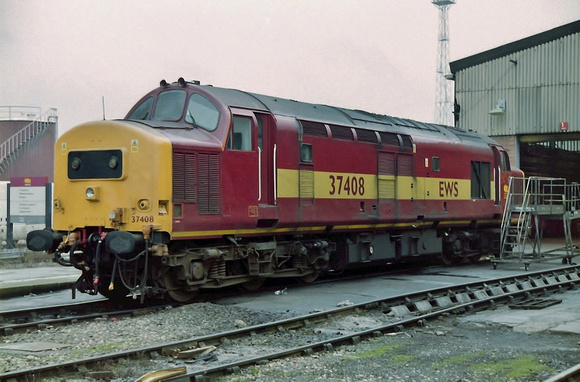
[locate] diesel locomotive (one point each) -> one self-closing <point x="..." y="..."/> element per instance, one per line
<point x="203" y="187"/>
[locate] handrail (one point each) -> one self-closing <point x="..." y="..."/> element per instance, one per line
<point x="20" y="113"/>
<point x="529" y="198"/>
<point x="29" y="131"/>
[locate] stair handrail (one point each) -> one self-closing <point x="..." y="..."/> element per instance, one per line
<point x="26" y="133"/>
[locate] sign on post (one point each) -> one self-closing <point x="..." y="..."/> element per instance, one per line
<point x="28" y="200"/>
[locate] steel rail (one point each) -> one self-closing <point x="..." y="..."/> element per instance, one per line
<point x="410" y="308"/>
<point x="570" y="375"/>
<point x="21" y="320"/>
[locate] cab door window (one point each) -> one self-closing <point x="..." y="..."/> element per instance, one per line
<point x="480" y="180"/>
<point x="240" y="137"/>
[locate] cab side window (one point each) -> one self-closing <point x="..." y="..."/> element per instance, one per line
<point x="240" y="137"/>
<point x="505" y="162"/>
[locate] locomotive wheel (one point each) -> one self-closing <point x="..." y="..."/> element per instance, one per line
<point x="119" y="293"/>
<point x="475" y="259"/>
<point x="181" y="296"/>
<point x="449" y="259"/>
<point x="252" y="285"/>
<point x="309" y="278"/>
<point x="175" y="290"/>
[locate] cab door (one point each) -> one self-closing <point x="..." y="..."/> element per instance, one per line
<point x="501" y="173"/>
<point x="266" y="133"/>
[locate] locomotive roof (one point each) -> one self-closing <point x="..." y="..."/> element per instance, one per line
<point x="340" y="116"/>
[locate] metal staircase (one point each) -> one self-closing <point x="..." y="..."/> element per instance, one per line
<point x="530" y="202"/>
<point x="14" y="145"/>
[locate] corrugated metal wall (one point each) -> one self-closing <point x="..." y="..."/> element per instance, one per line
<point x="540" y="86"/>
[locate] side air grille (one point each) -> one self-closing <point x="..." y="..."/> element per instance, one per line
<point x="386" y="163"/>
<point x="314" y="129"/>
<point x="208" y="184"/>
<point x="386" y="176"/>
<point x="184" y="182"/>
<point x="366" y="136"/>
<point x="407" y="142"/>
<point x="405" y="165"/>
<point x="389" y="139"/>
<point x="341" y="132"/>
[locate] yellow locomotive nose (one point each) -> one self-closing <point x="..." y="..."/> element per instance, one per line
<point x="110" y="180"/>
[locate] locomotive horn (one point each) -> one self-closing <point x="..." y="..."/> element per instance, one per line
<point x="163" y="84"/>
<point x="181" y="82"/>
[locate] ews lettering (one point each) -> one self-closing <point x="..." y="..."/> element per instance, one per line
<point x="448" y="189"/>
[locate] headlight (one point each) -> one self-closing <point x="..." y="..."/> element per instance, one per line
<point x="92" y="193"/>
<point x="75" y="163"/>
<point x="113" y="162"/>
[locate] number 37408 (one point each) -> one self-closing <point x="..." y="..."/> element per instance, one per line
<point x="347" y="185"/>
<point x="142" y="219"/>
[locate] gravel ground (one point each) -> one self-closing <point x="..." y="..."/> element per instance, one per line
<point x="442" y="350"/>
<point x="445" y="350"/>
<point x="101" y="336"/>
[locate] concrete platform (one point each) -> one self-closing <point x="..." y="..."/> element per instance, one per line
<point x="21" y="282"/>
<point x="560" y="318"/>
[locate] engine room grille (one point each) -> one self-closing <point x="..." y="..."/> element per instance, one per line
<point x="404" y="165"/>
<point x="366" y="136"/>
<point x="314" y="129"/>
<point x="340" y="132"/>
<point x="389" y="139"/>
<point x="386" y="176"/>
<point x="184" y="180"/>
<point x="208" y="184"/>
<point x="306" y="188"/>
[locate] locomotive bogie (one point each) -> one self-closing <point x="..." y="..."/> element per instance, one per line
<point x="245" y="263"/>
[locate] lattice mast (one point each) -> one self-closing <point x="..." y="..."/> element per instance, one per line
<point x="443" y="101"/>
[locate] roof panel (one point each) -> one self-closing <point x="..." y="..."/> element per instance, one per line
<point x="516" y="46"/>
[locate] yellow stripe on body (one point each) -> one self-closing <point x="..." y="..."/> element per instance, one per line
<point x="341" y="185"/>
<point x="326" y="185"/>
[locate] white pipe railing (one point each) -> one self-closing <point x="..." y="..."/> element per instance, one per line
<point x="29" y="131"/>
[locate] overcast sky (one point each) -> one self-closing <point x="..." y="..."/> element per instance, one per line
<point x="375" y="55"/>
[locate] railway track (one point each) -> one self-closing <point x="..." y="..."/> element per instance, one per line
<point x="40" y="318"/>
<point x="570" y="375"/>
<point x="318" y="331"/>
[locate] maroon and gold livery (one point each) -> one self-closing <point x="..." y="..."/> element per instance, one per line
<point x="205" y="187"/>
